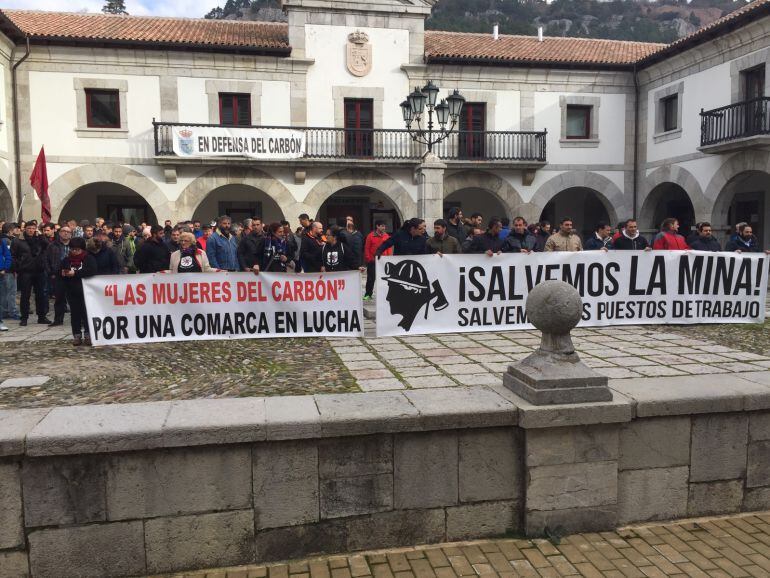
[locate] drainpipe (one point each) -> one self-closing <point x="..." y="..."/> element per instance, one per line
<point x="17" y="153"/>
<point x="636" y="140"/>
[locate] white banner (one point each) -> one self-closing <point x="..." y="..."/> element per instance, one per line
<point x="464" y="293"/>
<point x="255" y="143"/>
<point x="164" y="307"/>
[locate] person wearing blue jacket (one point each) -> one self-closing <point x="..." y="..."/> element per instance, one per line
<point x="5" y="271"/>
<point x="222" y="247"/>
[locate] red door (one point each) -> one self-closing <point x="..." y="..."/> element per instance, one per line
<point x="359" y="123"/>
<point x="473" y="122"/>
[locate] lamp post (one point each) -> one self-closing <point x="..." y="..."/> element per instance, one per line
<point x="423" y="100"/>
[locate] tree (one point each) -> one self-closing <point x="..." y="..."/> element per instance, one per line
<point x="115" y="7"/>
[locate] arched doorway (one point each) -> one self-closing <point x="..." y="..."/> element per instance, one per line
<point x="744" y="199"/>
<point x="239" y="202"/>
<point x="6" y="204"/>
<point x="586" y="207"/>
<point x="111" y="201"/>
<point x="667" y="200"/>
<point x="366" y="205"/>
<point x="475" y="200"/>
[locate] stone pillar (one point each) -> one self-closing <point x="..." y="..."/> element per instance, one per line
<point x="430" y="189"/>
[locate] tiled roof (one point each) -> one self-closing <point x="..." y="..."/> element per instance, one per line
<point x="735" y="18"/>
<point x="139" y="29"/>
<point x="460" y="46"/>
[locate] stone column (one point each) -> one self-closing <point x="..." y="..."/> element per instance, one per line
<point x="430" y="189"/>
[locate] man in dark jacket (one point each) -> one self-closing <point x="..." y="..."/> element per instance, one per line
<point x="543" y="232"/>
<point x="335" y="254"/>
<point x="28" y="255"/>
<point x="454" y="226"/>
<point x="408" y="240"/>
<point x="630" y="239"/>
<point x="153" y="255"/>
<point x="54" y="254"/>
<point x="248" y="254"/>
<point x="519" y="240"/>
<point x="489" y="242"/>
<point x="705" y="241"/>
<point x="310" y="251"/>
<point x="354" y="240"/>
<point x="106" y="261"/>
<point x="601" y="240"/>
<point x="745" y="242"/>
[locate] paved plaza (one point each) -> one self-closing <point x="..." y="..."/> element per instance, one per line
<point x="714" y="547"/>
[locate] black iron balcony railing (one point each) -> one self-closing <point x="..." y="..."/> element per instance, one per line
<point x="735" y="121"/>
<point x="392" y="144"/>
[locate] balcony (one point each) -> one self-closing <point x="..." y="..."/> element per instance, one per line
<point x="738" y="126"/>
<point x="525" y="149"/>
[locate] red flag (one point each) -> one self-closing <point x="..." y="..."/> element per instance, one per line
<point x="39" y="181"/>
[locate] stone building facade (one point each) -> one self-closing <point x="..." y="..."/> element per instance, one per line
<point x="594" y="129"/>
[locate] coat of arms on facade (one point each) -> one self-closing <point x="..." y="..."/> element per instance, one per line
<point x="186" y="142"/>
<point x="359" y="54"/>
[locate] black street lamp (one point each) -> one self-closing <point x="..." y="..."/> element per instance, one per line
<point x="414" y="108"/>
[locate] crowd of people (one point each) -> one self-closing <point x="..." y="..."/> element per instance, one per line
<point x="51" y="259"/>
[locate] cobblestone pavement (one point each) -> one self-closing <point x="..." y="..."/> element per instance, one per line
<point x="241" y="368"/>
<point x="709" y="547"/>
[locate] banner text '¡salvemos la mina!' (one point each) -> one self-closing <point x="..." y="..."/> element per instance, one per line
<point x="253" y="145"/>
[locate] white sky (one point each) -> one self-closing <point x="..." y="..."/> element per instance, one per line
<point x="184" y="8"/>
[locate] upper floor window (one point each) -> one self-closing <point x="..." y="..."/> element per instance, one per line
<point x="234" y="109"/>
<point x="753" y="82"/>
<point x="578" y="121"/>
<point x="359" y="123"/>
<point x="471" y="130"/>
<point x="102" y="108"/>
<point x="670" y="106"/>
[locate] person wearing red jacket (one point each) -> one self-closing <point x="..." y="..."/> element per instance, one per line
<point x="373" y="242"/>
<point x="669" y="239"/>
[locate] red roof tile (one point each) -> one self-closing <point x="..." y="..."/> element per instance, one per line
<point x="139" y="29"/>
<point x="460" y="46"/>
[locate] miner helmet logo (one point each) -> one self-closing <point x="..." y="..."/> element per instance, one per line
<point x="409" y="291"/>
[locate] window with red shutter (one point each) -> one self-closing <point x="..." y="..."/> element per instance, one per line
<point x="359" y="125"/>
<point x="472" y="127"/>
<point x="234" y="109"/>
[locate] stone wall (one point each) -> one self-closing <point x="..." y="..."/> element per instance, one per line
<point x="128" y="490"/>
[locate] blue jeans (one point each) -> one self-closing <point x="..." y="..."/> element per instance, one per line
<point x="8" y="309"/>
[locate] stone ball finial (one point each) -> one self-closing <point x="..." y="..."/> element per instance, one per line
<point x="554" y="307"/>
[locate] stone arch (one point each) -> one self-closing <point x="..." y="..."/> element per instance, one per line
<point x="676" y="175"/>
<point x="498" y="187"/>
<point x="743" y="162"/>
<point x="369" y="178"/>
<point x="66" y="186"/>
<point x="606" y="191"/>
<point x="194" y="194"/>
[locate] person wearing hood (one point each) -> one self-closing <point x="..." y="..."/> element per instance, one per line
<point x="705" y="241"/>
<point x="106" y="262"/>
<point x="745" y="242"/>
<point x="189" y="258"/>
<point x="79" y="264"/>
<point x="630" y="239"/>
<point x="336" y="255"/>
<point x="519" y="240"/>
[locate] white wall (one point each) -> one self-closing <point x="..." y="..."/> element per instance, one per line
<point x="327" y="45"/>
<point x="612" y="113"/>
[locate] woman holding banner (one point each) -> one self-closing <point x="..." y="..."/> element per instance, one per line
<point x="78" y="265"/>
<point x="189" y="258"/>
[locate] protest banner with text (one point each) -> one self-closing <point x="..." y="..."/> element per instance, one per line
<point x="164" y="307"/>
<point x="463" y="293"/>
<point x="256" y="143"/>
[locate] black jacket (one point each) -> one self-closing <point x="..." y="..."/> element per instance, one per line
<point x="248" y="254"/>
<point x="404" y="244"/>
<point x="338" y="257"/>
<point x="594" y="243"/>
<point x="53" y="256"/>
<point x="457" y="231"/>
<point x="74" y="285"/>
<point x="310" y="254"/>
<point x="355" y="244"/>
<point x="485" y="242"/>
<point x="106" y="262"/>
<point x="269" y="251"/>
<point x="737" y="244"/>
<point x="514" y="243"/>
<point x="623" y="243"/>
<point x="152" y="257"/>
<point x="705" y="244"/>
<point x="28" y="254"/>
